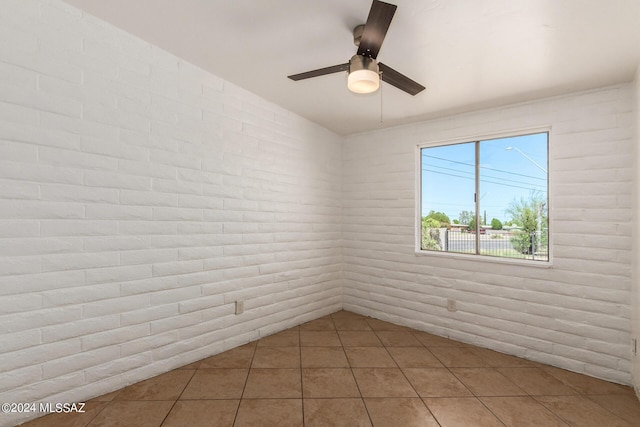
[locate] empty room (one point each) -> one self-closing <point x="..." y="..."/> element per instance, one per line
<point x="329" y="213"/>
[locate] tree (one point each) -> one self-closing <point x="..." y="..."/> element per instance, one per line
<point x="472" y="225"/>
<point x="441" y="217"/>
<point x="496" y="224"/>
<point x="430" y="230"/>
<point x="430" y="234"/>
<point x="465" y="217"/>
<point x="532" y="218"/>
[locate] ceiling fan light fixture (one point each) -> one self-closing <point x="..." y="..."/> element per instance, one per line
<point x="364" y="72"/>
<point x="364" y="76"/>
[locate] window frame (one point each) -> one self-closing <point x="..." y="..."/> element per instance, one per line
<point x="471" y="139"/>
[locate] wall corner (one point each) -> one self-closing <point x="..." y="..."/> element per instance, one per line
<point x="635" y="317"/>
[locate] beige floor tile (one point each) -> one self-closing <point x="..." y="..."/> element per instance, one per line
<point x="381" y="325"/>
<point x="351" y="324"/>
<point x="585" y="384"/>
<point x="581" y="411"/>
<point x="430" y="340"/>
<point x="276" y="357"/>
<point x="335" y="413"/>
<point x="75" y="419"/>
<point x="167" y="386"/>
<point x="414" y="357"/>
<point x="106" y="397"/>
<point x="239" y="357"/>
<point x="273" y="383"/>
<point x="383" y="382"/>
<point x="536" y="382"/>
<point x="328" y="382"/>
<point x="405" y="412"/>
<point x="216" y="384"/>
<point x="132" y="413"/>
<point x="487" y="382"/>
<point x="461" y="412"/>
<point x="344" y="314"/>
<point x="269" y="412"/>
<point x="369" y="357"/>
<point x="321" y="324"/>
<point x="202" y="413"/>
<point x="399" y="338"/>
<point x="194" y="365"/>
<point x="435" y="382"/>
<point x="501" y="360"/>
<point x="359" y="339"/>
<point x="458" y="357"/>
<point x="288" y="338"/>
<point x="522" y="411"/>
<point x="626" y="407"/>
<point x="323" y="357"/>
<point x="390" y="366"/>
<point x="319" y="339"/>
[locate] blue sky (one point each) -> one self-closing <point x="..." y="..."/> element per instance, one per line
<point x="448" y="175"/>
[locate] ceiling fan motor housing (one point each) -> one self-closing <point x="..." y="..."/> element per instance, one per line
<point x="357" y="34"/>
<point x="364" y="74"/>
<point x="364" y="71"/>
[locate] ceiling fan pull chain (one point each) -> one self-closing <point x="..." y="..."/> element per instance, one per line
<point x="381" y="98"/>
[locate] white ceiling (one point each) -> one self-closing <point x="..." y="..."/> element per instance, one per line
<point x="469" y="54"/>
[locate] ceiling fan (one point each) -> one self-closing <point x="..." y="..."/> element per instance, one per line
<point x="364" y="71"/>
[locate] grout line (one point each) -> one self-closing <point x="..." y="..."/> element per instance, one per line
<point x="354" y="377"/>
<point x="577" y="392"/>
<point x="471" y="391"/>
<point x="100" y="411"/>
<point x="301" y="381"/>
<point x="255" y="349"/>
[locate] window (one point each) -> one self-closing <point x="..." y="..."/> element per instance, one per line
<point x="486" y="197"/>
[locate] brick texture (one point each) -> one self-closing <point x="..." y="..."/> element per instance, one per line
<point x="635" y="298"/>
<point x="575" y="314"/>
<point x="140" y="197"/>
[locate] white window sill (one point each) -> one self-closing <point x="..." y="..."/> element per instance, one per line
<point x="487" y="258"/>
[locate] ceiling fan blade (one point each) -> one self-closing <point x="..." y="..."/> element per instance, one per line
<point x="320" y="72"/>
<point x="400" y="81"/>
<point x="375" y="29"/>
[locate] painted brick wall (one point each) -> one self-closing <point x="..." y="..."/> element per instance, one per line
<point x="635" y="327"/>
<point x="139" y="198"/>
<point x="575" y="315"/>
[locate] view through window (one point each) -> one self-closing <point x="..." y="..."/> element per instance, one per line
<point x="486" y="197"/>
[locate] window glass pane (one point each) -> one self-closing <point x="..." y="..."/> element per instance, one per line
<point x="513" y="197"/>
<point x="512" y="213"/>
<point x="448" y="187"/>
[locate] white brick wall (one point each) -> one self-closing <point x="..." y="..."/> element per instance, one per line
<point x="577" y="314"/>
<point x="635" y="327"/>
<point x="139" y="198"/>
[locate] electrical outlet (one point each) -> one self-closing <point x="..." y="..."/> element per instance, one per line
<point x="239" y="307"/>
<point x="451" y="305"/>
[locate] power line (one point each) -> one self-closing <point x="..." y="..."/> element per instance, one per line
<point x="487" y="181"/>
<point x="484" y="167"/>
<point x="482" y="177"/>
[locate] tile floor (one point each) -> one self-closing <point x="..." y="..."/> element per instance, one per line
<point x="349" y="370"/>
